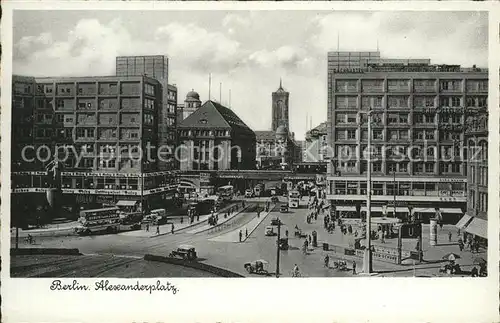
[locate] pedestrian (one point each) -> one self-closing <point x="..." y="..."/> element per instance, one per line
<point x="147" y="227"/>
<point x="474" y="272"/>
<point x="246" y="233"/>
<point x="327" y="261"/>
<point x="306" y="244"/>
<point x="258" y="213"/>
<point x="458" y="232"/>
<point x="182" y="219"/>
<point x="354" y="268"/>
<point x="158" y="229"/>
<point x="477" y="247"/>
<point x="460" y="244"/>
<point x="309" y="237"/>
<point x="286" y="233"/>
<point x="241" y="235"/>
<point x="449" y="236"/>
<point x="171" y="229"/>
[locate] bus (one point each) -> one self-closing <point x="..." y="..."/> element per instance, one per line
<point x="294" y="199"/>
<point x="99" y="220"/>
<point x="226" y="192"/>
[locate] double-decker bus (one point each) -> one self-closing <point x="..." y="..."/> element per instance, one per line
<point x="226" y="192"/>
<point x="293" y="199"/>
<point x="99" y="220"/>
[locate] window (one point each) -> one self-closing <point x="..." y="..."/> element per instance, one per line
<point x="455" y="167"/>
<point x="351" y="118"/>
<point x="351" y="134"/>
<point x="377" y="167"/>
<point x="149" y="89"/>
<point x="455" y="101"/>
<point x="429" y="167"/>
<point x="423" y="101"/>
<point x="149" y="104"/>
<point x="419" y="167"/>
<point x="450" y="85"/>
<point x="398" y="102"/>
<point x="456" y="119"/>
<point x="403" y="167"/>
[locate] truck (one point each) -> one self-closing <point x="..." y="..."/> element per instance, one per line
<point x="99" y="220"/>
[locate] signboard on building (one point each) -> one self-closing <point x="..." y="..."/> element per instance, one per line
<point x="204" y="177"/>
<point x="30" y="190"/>
<point x="102" y="192"/>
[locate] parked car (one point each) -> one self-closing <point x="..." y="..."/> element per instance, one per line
<point x="284" y="208"/>
<point x="257" y="267"/>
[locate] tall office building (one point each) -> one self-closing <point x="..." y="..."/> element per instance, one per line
<point x="420" y="114"/>
<point x="101" y="124"/>
<point x="156" y="67"/>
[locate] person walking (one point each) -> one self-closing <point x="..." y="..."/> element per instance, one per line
<point x="158" y="229"/>
<point x="241" y="235"/>
<point x="354" y="268"/>
<point x="147" y="227"/>
<point x="460" y="244"/>
<point x="246" y="233"/>
<point x="327" y="261"/>
<point x="258" y="213"/>
<point x="477" y="247"/>
<point x="172" y="229"/>
<point x="449" y="236"/>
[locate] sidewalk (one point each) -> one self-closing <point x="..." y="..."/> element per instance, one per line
<point x="221" y="219"/>
<point x="432" y="254"/>
<point x="234" y="236"/>
<point x="166" y="228"/>
<point x="63" y="228"/>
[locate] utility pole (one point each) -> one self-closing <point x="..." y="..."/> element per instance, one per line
<point x="278" y="249"/>
<point x="394" y="189"/>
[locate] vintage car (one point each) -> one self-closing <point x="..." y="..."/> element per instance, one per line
<point x="270" y="231"/>
<point x="186" y="252"/>
<point x="257" y="267"/>
<point x="284" y="208"/>
<point x="274" y="199"/>
<point x="283" y="244"/>
<point x="248" y="193"/>
<point x="275" y="221"/>
<point x="299" y="233"/>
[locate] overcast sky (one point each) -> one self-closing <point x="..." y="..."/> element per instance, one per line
<point x="248" y="51"/>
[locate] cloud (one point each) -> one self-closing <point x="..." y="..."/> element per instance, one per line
<point x="236" y="22"/>
<point x="461" y="38"/>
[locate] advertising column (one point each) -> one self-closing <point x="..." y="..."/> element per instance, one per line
<point x="433" y="233"/>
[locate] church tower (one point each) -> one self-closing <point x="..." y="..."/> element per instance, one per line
<point x="280" y="108"/>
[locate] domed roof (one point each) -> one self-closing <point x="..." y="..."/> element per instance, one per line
<point x="193" y="95"/>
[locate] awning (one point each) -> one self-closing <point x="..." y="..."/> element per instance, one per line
<point x="126" y="203"/>
<point x="478" y="227"/>
<point x="463" y="221"/>
<point x="443" y="210"/>
<point x="390" y="209"/>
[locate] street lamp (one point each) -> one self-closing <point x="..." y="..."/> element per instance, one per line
<point x="278" y="249"/>
<point x="367" y="257"/>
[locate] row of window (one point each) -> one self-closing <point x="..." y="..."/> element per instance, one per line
<point x="205" y="133"/>
<point x="418" y="85"/>
<point x="396" y="102"/>
<point x="104" y="88"/>
<point x="478" y="175"/>
<point x="398" y="188"/>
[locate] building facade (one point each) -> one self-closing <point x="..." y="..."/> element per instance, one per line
<point x="101" y="128"/>
<point x="419" y="113"/>
<point x="316" y="144"/>
<point x="277" y="148"/>
<point x="156" y="66"/>
<point x="215" y="138"/>
<point x="475" y="221"/>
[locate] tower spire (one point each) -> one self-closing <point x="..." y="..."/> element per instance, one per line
<point x="281" y="84"/>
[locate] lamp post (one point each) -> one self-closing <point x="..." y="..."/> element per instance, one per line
<point x="278" y="249"/>
<point x="367" y="257"/>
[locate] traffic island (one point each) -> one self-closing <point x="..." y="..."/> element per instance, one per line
<point x="195" y="265"/>
<point x="44" y="251"/>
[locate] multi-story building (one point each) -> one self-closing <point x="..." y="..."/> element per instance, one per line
<point x="475" y="221"/>
<point x="419" y="112"/>
<point x="191" y="104"/>
<point x="215" y="138"/>
<point x="280" y="107"/>
<point x="106" y="132"/>
<point x="316" y="145"/>
<point x="156" y="66"/>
